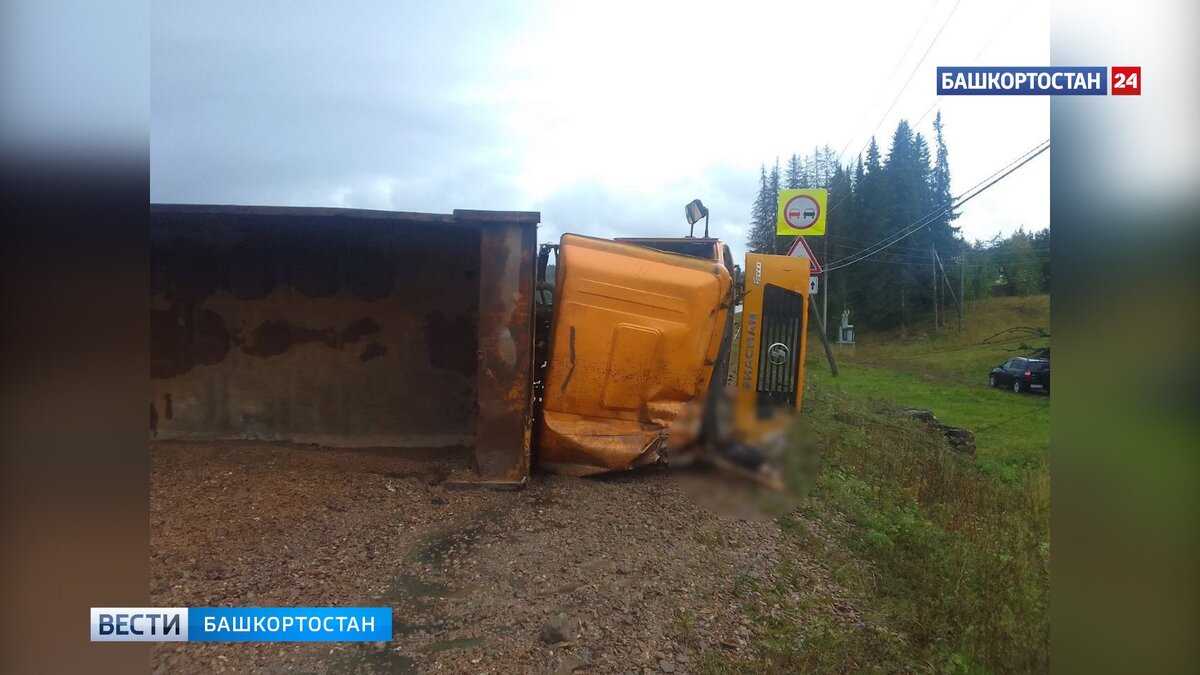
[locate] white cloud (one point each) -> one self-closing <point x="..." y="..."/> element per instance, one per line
<point x="607" y="117"/>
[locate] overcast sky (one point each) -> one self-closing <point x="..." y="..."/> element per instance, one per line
<point x="607" y="117"/>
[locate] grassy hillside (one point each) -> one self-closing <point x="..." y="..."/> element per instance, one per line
<point x="945" y="558"/>
<point x="947" y="374"/>
<point x="1012" y="432"/>
<point x="994" y="330"/>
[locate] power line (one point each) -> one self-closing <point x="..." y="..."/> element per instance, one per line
<point x="1017" y="9"/>
<point x="910" y="77"/>
<point x="899" y="61"/>
<point x="916" y="68"/>
<point x="836" y="240"/>
<point x="898" y="93"/>
<point x="912" y="41"/>
<point x="933" y="105"/>
<point x="1022" y="159"/>
<point x="956" y="203"/>
<point x="925" y="263"/>
<point x="915" y="227"/>
<point x="962" y="198"/>
<point x="851" y="192"/>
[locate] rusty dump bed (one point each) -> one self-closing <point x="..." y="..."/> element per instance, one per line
<point x="344" y="327"/>
<point x="634" y="338"/>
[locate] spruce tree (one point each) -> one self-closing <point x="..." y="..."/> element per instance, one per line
<point x="873" y="164"/>
<point x="762" y="221"/>
<point x="881" y="195"/>
<point x="795" y="173"/>
<point x="1041" y="249"/>
<point x="778" y="244"/>
<point x="839" y="221"/>
<point x="942" y="196"/>
<point x="871" y="290"/>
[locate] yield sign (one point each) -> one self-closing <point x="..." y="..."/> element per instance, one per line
<point x="801" y="249"/>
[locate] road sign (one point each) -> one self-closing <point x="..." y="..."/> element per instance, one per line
<point x="801" y="249"/>
<point x="813" y="286"/>
<point x="802" y="212"/>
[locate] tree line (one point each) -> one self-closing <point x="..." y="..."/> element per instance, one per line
<point x="1018" y="264"/>
<point x="878" y="197"/>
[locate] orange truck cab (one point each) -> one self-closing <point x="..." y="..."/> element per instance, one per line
<point x="633" y="332"/>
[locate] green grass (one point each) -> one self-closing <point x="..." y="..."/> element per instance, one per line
<point x="947" y="373"/>
<point x="995" y="330"/>
<point x="1012" y="431"/>
<point x="945" y="558"/>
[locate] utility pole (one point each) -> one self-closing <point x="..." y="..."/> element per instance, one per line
<point x="828" y="288"/>
<point x="812" y="309"/>
<point x="962" y="294"/>
<point x="956" y="298"/>
<point x="933" y="259"/>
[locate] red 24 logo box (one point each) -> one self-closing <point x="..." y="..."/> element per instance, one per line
<point x="1126" y="81"/>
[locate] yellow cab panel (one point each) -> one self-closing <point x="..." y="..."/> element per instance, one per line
<point x="772" y="344"/>
<point x="634" y="336"/>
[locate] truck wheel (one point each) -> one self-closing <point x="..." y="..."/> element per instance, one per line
<point x="1016" y="386"/>
<point x="992" y="381"/>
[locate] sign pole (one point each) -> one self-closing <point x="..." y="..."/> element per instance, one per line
<point x="828" y="289"/>
<point x="812" y="309"/>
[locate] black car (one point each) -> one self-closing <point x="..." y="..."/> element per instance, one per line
<point x="1022" y="374"/>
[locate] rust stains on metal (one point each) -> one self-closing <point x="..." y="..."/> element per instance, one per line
<point x="371" y="277"/>
<point x="289" y="310"/>
<point x="371" y="351"/>
<point x="276" y="336"/>
<point x="185" y="272"/>
<point x="359" y="328"/>
<point x="251" y="259"/>
<point x="451" y="343"/>
<point x="505" y="369"/>
<point x="181" y="340"/>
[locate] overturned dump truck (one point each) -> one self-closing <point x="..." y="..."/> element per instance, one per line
<point x="355" y="328"/>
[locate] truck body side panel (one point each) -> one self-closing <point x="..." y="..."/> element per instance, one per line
<point x="634" y="338"/>
<point x="345" y="327"/>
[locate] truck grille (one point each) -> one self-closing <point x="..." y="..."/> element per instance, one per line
<point x="779" y="347"/>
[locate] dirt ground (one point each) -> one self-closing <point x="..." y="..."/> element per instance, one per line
<point x="620" y="574"/>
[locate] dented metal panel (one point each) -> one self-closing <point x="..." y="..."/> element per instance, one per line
<point x="634" y="338"/>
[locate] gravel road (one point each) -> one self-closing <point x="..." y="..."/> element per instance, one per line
<point x="619" y="574"/>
